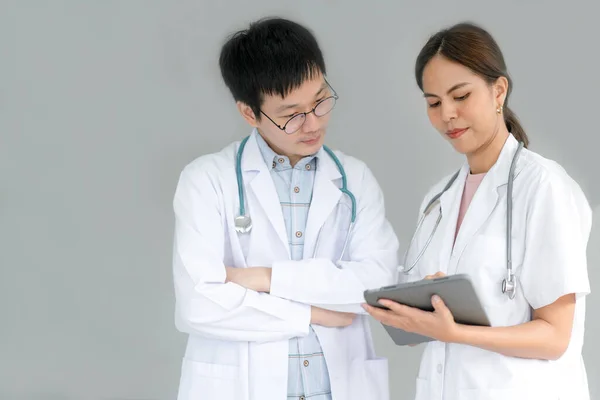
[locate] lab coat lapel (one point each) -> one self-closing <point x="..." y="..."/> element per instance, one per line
<point x="326" y="195"/>
<point x="450" y="203"/>
<point x="263" y="189"/>
<point x="484" y="201"/>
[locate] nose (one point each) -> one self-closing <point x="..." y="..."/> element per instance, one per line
<point x="448" y="111"/>
<point x="311" y="123"/>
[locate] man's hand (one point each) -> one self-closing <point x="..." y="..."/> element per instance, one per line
<point x="330" y="319"/>
<point x="253" y="278"/>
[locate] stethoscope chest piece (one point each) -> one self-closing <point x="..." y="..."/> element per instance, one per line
<point x="509" y="286"/>
<point x="243" y="224"/>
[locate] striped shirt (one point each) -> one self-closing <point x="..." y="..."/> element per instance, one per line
<point x="308" y="377"/>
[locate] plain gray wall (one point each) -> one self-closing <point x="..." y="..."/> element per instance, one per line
<point x="102" y="103"/>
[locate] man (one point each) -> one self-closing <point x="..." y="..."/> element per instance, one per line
<point x="269" y="267"/>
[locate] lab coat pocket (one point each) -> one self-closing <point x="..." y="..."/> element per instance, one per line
<point x="488" y="271"/>
<point x="370" y="379"/>
<point x="207" y="381"/>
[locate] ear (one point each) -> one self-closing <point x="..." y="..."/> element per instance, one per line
<point x="500" y="88"/>
<point x="247" y="113"/>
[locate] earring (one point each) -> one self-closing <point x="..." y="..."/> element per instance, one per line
<point x="500" y="109"/>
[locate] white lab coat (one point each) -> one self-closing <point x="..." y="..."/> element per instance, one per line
<point x="551" y="226"/>
<point x="238" y="338"/>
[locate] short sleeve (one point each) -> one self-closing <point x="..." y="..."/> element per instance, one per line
<point x="557" y="232"/>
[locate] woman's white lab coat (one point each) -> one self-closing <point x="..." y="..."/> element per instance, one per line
<point x="551" y="226"/>
<point x="238" y="338"/>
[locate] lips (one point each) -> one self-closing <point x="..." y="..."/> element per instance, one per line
<point x="456" y="133"/>
<point x="311" y="140"/>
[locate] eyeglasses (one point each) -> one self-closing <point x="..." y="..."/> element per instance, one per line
<point x="322" y="108"/>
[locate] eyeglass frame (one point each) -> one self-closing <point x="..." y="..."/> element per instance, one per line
<point x="333" y="96"/>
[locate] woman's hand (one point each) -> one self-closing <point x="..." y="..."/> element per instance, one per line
<point x="438" y="324"/>
<point x="438" y="274"/>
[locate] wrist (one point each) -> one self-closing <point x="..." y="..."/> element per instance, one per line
<point x="457" y="334"/>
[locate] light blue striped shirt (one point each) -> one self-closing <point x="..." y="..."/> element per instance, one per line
<point x="307" y="370"/>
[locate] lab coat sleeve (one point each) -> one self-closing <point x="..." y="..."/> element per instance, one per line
<point x="205" y="304"/>
<point x="557" y="232"/>
<point x="372" y="252"/>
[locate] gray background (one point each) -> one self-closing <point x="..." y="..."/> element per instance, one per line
<point x="102" y="103"/>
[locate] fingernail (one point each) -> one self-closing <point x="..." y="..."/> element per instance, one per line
<point x="435" y="298"/>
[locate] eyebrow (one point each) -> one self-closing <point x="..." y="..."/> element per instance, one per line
<point x="288" y="106"/>
<point x="452" y="89"/>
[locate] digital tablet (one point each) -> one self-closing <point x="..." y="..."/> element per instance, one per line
<point x="457" y="292"/>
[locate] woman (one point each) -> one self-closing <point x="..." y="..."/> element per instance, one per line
<point x="533" y="349"/>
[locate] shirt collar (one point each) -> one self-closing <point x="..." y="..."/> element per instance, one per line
<point x="281" y="162"/>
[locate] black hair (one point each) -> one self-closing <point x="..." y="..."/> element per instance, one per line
<point x="272" y="56"/>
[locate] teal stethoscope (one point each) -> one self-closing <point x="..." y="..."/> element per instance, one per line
<point x="243" y="222"/>
<point x="509" y="284"/>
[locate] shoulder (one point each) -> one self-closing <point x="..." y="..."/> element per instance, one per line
<point x="211" y="167"/>
<point x="358" y="174"/>
<point x="353" y="165"/>
<point x="547" y="181"/>
<point x="543" y="175"/>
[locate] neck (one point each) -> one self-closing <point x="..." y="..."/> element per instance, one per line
<point x="484" y="158"/>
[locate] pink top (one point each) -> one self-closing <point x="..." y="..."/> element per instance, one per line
<point x="471" y="186"/>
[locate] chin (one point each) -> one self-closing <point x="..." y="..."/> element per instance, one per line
<point x="311" y="148"/>
<point x="462" y="148"/>
<point x="463" y="145"/>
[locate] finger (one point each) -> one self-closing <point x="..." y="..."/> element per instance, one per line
<point x="390" y="319"/>
<point x="438" y="274"/>
<point x="367" y="308"/>
<point x="439" y="306"/>
<point x="374" y="311"/>
<point x="378" y="313"/>
<point x="400" y="309"/>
